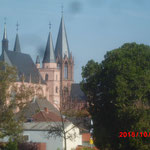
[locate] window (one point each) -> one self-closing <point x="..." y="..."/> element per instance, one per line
<point x="58" y="65"/>
<point x="56" y="89"/>
<point x="46" y="77"/>
<point x="26" y="137"/>
<point x="56" y="77"/>
<point x="66" y="71"/>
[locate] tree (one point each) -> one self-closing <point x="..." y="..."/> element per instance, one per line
<point x="12" y="98"/>
<point x="118" y="91"/>
<point x="71" y="118"/>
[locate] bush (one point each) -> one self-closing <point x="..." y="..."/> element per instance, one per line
<point x="11" y="145"/>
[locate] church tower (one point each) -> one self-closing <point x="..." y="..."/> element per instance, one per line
<point x="5" y="40"/>
<point x="57" y="67"/>
<point x="50" y="73"/>
<point x="64" y="61"/>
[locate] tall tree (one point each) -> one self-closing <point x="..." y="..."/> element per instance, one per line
<point x="12" y="98"/>
<point x="118" y="91"/>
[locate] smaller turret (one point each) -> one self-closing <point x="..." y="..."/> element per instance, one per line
<point x="5" y="40"/>
<point x="38" y="62"/>
<point x="49" y="60"/>
<point x="17" y="43"/>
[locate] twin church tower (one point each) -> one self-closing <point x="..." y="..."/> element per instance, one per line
<point x="56" y="69"/>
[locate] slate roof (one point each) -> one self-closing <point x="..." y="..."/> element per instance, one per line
<point x="24" y="65"/>
<point x="17" y="44"/>
<point x="37" y="105"/>
<point x="62" y="46"/>
<point x="77" y="93"/>
<point x="49" y="55"/>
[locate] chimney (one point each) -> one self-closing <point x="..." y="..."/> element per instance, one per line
<point x="46" y="109"/>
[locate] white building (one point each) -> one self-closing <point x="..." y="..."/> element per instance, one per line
<point x="38" y="132"/>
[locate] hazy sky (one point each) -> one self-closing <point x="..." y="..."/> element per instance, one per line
<point x="93" y="26"/>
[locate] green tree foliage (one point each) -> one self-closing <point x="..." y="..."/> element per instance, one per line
<point x="118" y="90"/>
<point x="12" y="98"/>
<point x="11" y="145"/>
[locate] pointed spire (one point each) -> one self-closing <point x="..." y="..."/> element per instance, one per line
<point x="37" y="60"/>
<point x="62" y="47"/>
<point x="17" y="43"/>
<point x="5" y="32"/>
<point x="49" y="55"/>
<point x="5" y="40"/>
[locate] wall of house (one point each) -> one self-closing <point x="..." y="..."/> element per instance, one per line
<point x="41" y="136"/>
<point x="53" y="143"/>
<point x="76" y="140"/>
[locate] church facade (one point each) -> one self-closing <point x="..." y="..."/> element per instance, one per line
<point x="53" y="77"/>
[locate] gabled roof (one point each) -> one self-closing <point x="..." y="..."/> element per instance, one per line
<point x="24" y="65"/>
<point x="17" y="44"/>
<point x="37" y="105"/>
<point x="42" y="126"/>
<point x="62" y="47"/>
<point x="49" y="56"/>
<point x="43" y="116"/>
<point x="77" y="93"/>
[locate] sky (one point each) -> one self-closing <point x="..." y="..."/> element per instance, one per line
<point x="93" y="26"/>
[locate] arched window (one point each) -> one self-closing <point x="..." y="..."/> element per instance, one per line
<point x="58" y="65"/>
<point x="56" y="89"/>
<point x="56" y="77"/>
<point x="66" y="71"/>
<point x="46" y="77"/>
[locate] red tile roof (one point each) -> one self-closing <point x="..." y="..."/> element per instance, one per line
<point x="86" y="137"/>
<point x="43" y="116"/>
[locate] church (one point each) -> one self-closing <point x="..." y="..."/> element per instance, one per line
<point x="54" y="75"/>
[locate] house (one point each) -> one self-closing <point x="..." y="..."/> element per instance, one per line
<point x="39" y="130"/>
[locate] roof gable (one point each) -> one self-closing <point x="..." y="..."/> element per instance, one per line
<point x="43" y="116"/>
<point x="77" y="93"/>
<point x="24" y="65"/>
